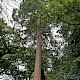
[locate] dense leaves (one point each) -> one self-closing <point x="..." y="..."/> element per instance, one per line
<point x="71" y="26"/>
<point x="12" y="56"/>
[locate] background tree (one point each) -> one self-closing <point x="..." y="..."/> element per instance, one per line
<point x="12" y="55"/>
<point x="70" y="28"/>
<point x="69" y="16"/>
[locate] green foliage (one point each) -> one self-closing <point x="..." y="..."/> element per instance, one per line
<point x="5" y="35"/>
<point x="29" y="13"/>
<point x="11" y="54"/>
<point x="4" y="29"/>
<point x="48" y="11"/>
<point x="77" y="59"/>
<point x="4" y="63"/>
<point x="23" y="56"/>
<point x="71" y="23"/>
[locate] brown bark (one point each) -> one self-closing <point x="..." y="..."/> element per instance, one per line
<point x="37" y="69"/>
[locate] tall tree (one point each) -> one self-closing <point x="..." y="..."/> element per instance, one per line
<point x="35" y="16"/>
<point x="37" y="69"/>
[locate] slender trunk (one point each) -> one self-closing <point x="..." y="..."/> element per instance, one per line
<point x="37" y="69"/>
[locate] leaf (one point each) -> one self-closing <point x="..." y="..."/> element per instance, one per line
<point x="77" y="59"/>
<point x="6" y="56"/>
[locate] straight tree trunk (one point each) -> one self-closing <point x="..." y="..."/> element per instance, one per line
<point x="37" y="69"/>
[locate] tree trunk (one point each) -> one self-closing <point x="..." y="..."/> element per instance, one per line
<point x="37" y="69"/>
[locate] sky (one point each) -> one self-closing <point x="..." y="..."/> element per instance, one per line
<point x="8" y="6"/>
